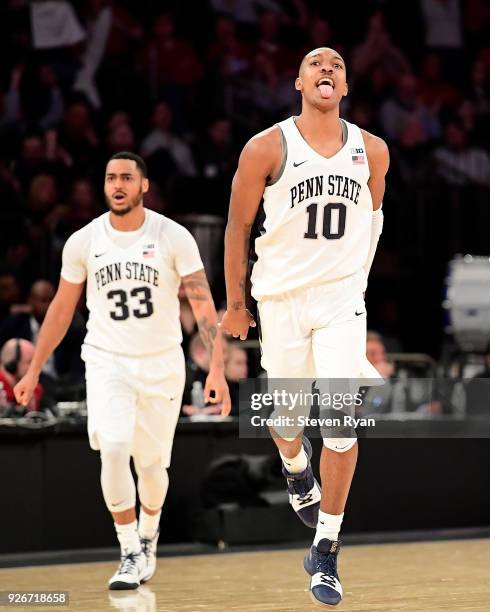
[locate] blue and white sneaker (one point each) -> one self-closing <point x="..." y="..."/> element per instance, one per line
<point x="321" y="564"/>
<point x="304" y="491"/>
<point x="149" y="550"/>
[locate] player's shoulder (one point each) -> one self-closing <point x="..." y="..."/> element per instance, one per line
<point x="85" y="233"/>
<point x="375" y="145"/>
<point x="263" y="151"/>
<point x="164" y="223"/>
<point x="265" y="143"/>
<point x="169" y="230"/>
<point x="377" y="153"/>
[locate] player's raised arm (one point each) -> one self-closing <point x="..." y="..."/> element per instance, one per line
<point x="199" y="295"/>
<point x="379" y="161"/>
<point x="259" y="160"/>
<point x="53" y="330"/>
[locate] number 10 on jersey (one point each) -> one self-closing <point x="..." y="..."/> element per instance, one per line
<point x="333" y="226"/>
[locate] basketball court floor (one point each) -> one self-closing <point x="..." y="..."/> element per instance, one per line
<point x="417" y="577"/>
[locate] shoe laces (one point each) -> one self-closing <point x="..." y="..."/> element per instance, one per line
<point x="301" y="486"/>
<point x="128" y="562"/>
<point x="327" y="564"/>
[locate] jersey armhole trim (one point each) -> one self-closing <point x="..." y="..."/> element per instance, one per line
<point x="284" y="152"/>
<point x="345" y="131"/>
<point x="368" y="169"/>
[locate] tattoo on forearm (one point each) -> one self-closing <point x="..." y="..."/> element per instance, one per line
<point x="237" y="305"/>
<point x="196" y="286"/>
<point x="208" y="333"/>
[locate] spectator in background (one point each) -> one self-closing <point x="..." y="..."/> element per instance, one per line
<point x="458" y="163"/>
<point x="197" y="368"/>
<point x="261" y="92"/>
<point x="226" y="50"/>
<point x="65" y="364"/>
<point x="120" y="138"/>
<point x="373" y="89"/>
<point x="42" y="197"/>
<point x="40" y="154"/>
<point x="404" y="107"/>
<point x="320" y="35"/>
<point x="10" y="106"/>
<point x="154" y="199"/>
<point x="99" y="29"/>
<point x="15" y="357"/>
<point x="269" y="42"/>
<point x="170" y="62"/>
<point x="409" y="163"/>
<point x="435" y="92"/>
<point x="78" y="136"/>
<point x="12" y="219"/>
<point x="244" y="11"/>
<point x="236" y="368"/>
<point x="45" y="105"/>
<point x="9" y="292"/>
<point x="162" y="138"/>
<point x="378" y="51"/>
<point x="480" y="87"/>
<point x="216" y="153"/>
<point x="376" y="354"/>
<point x="81" y="208"/>
<point x="45" y="211"/>
<point x="377" y="399"/>
<point x="83" y="204"/>
<point x="443" y="30"/>
<point x="32" y="159"/>
<point x="475" y="124"/>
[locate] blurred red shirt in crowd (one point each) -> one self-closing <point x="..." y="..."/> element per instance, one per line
<point x="15" y="358"/>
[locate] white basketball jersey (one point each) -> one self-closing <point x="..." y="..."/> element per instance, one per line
<point x="132" y="292"/>
<point x="317" y="225"/>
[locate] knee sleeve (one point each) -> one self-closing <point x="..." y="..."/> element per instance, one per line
<point x="339" y="445"/>
<point x="152" y="484"/>
<point x="115" y="477"/>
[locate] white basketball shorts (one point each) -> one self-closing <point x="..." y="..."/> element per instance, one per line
<point x="135" y="400"/>
<point x="317" y="333"/>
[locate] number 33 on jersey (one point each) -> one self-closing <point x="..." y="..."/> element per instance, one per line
<point x="133" y="280"/>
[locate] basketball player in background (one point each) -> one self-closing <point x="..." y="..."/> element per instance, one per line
<point x="132" y="261"/>
<point x="321" y="181"/>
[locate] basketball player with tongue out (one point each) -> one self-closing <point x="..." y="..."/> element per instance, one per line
<point x="319" y="182"/>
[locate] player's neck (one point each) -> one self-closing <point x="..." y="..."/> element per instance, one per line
<point x="316" y="124"/>
<point x="130" y="222"/>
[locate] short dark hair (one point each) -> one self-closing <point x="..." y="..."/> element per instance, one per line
<point x="140" y="162"/>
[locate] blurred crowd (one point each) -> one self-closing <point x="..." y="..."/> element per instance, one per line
<point x="186" y="84"/>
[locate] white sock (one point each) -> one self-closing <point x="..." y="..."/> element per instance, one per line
<point x="148" y="524"/>
<point x="297" y="464"/>
<point x="328" y="526"/>
<point x="128" y="537"/>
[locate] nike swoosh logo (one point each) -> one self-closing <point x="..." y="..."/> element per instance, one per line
<point x="358" y="314"/>
<point x="99" y="254"/>
<point x="341" y="447"/>
<point x="296" y="165"/>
